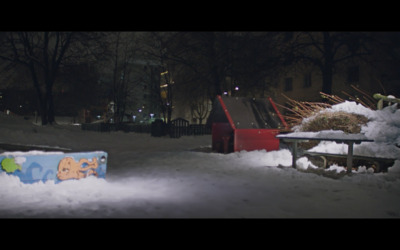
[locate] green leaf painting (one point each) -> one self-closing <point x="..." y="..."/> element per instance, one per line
<point x="9" y="165"/>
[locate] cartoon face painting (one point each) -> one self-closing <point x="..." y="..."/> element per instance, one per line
<point x="68" y="168"/>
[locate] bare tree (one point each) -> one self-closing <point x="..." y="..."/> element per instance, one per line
<point x="201" y="108"/>
<point x="326" y="50"/>
<point x="161" y="48"/>
<point x="123" y="49"/>
<point x="43" y="53"/>
<point x="209" y="59"/>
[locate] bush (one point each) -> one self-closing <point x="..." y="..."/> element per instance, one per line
<point x="347" y="122"/>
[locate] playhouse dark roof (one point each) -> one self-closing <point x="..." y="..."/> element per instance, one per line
<point x="246" y="113"/>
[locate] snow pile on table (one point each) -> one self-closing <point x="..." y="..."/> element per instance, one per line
<point x="383" y="127"/>
<point x="337" y="134"/>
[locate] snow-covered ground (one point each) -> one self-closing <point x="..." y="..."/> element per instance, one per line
<point x="150" y="177"/>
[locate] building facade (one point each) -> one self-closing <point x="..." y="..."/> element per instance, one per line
<point x="367" y="70"/>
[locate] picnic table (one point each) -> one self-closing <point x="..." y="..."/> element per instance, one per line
<point x="326" y="135"/>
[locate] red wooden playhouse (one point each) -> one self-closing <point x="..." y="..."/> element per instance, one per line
<point x="242" y="123"/>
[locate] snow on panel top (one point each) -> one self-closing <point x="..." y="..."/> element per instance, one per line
<point x="31" y="152"/>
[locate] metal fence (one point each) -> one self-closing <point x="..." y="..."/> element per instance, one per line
<point x="179" y="127"/>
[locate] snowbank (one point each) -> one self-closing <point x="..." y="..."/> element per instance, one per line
<point x="150" y="177"/>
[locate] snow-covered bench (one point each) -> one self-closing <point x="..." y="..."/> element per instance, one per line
<point x="331" y="135"/>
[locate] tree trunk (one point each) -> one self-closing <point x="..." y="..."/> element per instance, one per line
<point x="43" y="111"/>
<point x="327" y="75"/>
<point x="327" y="67"/>
<point x="169" y="100"/>
<point x="50" y="105"/>
<point x="42" y="98"/>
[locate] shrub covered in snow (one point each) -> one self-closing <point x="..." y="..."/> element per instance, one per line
<point x="347" y="122"/>
<point x="382" y="126"/>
